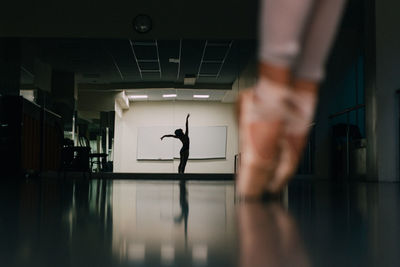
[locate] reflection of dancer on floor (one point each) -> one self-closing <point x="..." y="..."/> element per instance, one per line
<point x="184" y="206"/>
<point x="269" y="237"/>
<point x="275" y="116"/>
<point x="184" y="137"/>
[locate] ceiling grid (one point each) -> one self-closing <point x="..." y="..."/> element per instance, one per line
<point x="141" y="61"/>
<point x="135" y="64"/>
<point x="213" y="61"/>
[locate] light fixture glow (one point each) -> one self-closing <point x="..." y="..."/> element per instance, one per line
<point x="201" y="96"/>
<point x="138" y="96"/>
<point x="169" y="95"/>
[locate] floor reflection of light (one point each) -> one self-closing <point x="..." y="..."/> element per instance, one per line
<point x="71" y="214"/>
<point x="167" y="254"/>
<point x="146" y="213"/>
<point x="136" y="252"/>
<point x="199" y="254"/>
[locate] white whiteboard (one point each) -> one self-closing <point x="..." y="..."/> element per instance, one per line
<point x="149" y="145"/>
<point x="205" y="143"/>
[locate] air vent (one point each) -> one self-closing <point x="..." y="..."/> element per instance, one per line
<point x="190" y="79"/>
<point x="91" y="75"/>
<point x="174" y="60"/>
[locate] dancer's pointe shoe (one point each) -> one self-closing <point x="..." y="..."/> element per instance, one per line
<point x="261" y="121"/>
<point x="300" y="113"/>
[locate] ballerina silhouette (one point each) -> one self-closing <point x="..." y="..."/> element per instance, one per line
<point x="184" y="137"/>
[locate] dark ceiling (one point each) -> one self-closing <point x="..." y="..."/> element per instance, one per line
<point x="117" y="64"/>
<point x="172" y="19"/>
<point x="72" y="28"/>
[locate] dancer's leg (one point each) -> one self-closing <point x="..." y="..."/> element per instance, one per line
<point x="261" y="112"/>
<point x="308" y="72"/>
<point x="281" y="26"/>
<point x="184" y="157"/>
<point x="180" y="164"/>
<point x="318" y="39"/>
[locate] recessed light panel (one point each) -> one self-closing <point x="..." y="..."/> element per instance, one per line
<point x="201" y="96"/>
<point x="138" y="96"/>
<point x="169" y="95"/>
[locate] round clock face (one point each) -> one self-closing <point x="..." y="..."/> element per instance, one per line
<point x="142" y="23"/>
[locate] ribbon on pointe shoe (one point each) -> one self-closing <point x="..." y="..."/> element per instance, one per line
<point x="261" y="125"/>
<point x="300" y="112"/>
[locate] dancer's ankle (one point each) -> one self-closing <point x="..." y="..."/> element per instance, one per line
<point x="277" y="74"/>
<point x="272" y="86"/>
<point x="305" y="86"/>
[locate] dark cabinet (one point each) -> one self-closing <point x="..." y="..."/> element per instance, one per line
<point x="31" y="137"/>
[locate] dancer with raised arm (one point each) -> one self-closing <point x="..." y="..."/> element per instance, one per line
<point x="184" y="137"/>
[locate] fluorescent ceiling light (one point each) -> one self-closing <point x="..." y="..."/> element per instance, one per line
<point x="138" y="96"/>
<point x="169" y="95"/>
<point x="201" y="96"/>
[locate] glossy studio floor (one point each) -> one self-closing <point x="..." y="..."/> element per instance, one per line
<point x="50" y="222"/>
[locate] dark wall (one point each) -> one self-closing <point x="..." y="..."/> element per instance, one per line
<point x="343" y="86"/>
<point x="387" y="83"/>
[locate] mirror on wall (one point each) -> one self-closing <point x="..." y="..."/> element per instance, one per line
<point x="118" y="97"/>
